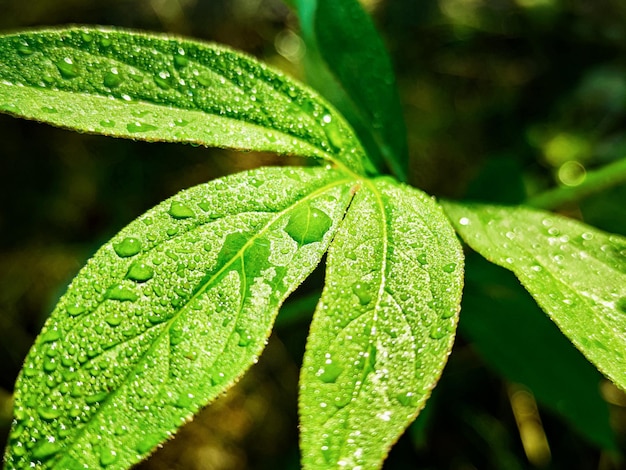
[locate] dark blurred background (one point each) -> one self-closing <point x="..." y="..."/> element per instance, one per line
<point x="503" y="99"/>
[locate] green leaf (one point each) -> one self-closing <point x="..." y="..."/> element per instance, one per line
<point x="161" y="88"/>
<point x="168" y="315"/>
<point x="517" y="339"/>
<point x="576" y="273"/>
<point x="349" y="64"/>
<point x="383" y="329"/>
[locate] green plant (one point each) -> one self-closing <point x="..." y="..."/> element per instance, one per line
<point x="174" y="309"/>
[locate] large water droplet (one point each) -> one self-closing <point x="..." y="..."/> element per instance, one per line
<point x="449" y="268"/>
<point x="46" y="449"/>
<point x="140" y="272"/>
<point x="112" y="79"/>
<point x="180" y="59"/>
<point x="107" y="456"/>
<point x="48" y="413"/>
<point x="308" y="224"/>
<point x="140" y="127"/>
<point x="408" y="399"/>
<point x="162" y="79"/>
<point x="67" y="68"/>
<point x="121" y="293"/>
<point x="130" y="246"/>
<point x="363" y="291"/>
<point x="74" y="310"/>
<point x="178" y="210"/>
<point x="331" y="372"/>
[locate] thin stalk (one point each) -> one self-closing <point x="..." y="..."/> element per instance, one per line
<point x="595" y="181"/>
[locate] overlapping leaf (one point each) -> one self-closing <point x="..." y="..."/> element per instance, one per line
<point x="576" y="273"/>
<point x="348" y="63"/>
<point x="168" y="89"/>
<point x="168" y="315"/>
<point x="383" y="329"/>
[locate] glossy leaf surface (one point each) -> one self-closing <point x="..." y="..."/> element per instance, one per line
<point x="168" y="315"/>
<point x="160" y="88"/>
<point x="577" y="274"/>
<point x="349" y="64"/>
<point x="383" y="329"/>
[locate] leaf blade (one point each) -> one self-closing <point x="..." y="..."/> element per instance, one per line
<point x="349" y="64"/>
<point x="575" y="272"/>
<point x="383" y="328"/>
<point x="167" y="316"/>
<point x="152" y="87"/>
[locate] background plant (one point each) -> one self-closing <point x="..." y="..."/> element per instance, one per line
<point x="559" y="143"/>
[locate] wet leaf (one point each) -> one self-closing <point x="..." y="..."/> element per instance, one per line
<point x="168" y="315"/>
<point x="160" y="88"/>
<point x="576" y="273"/>
<point x="383" y="329"/>
<point x="349" y="64"/>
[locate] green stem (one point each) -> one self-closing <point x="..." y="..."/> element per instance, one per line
<point x="611" y="175"/>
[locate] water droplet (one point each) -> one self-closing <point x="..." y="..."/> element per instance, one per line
<point x="121" y="293"/>
<point x="178" y="210"/>
<point x="163" y="80"/>
<point x="148" y="443"/>
<point x="140" y="127"/>
<point x="244" y="337"/>
<point x="139" y="272"/>
<point x="107" y="456"/>
<point x="96" y="398"/>
<point x="437" y="332"/>
<point x="46" y="449"/>
<point x="107" y="123"/>
<point x="362" y="291"/>
<point x="331" y="372"/>
<point x="25" y="50"/>
<point x="112" y="79"/>
<point x="180" y="122"/>
<point x="307" y="224"/>
<point x="422" y="259"/>
<point x="408" y="399"/>
<point x="621" y="304"/>
<point x="130" y="246"/>
<point x="49" y="364"/>
<point x="113" y="319"/>
<point x="67" y="68"/>
<point x="464" y="221"/>
<point x="50" y="335"/>
<point x="48" y="413"/>
<point x="49" y="110"/>
<point x="180" y="60"/>
<point x="74" y="310"/>
<point x="449" y="268"/>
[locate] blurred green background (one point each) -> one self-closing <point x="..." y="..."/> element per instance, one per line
<point x="503" y="99"/>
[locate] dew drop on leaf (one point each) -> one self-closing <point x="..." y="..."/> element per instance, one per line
<point x="121" y="293"/>
<point x="107" y="123"/>
<point x="139" y="272"/>
<point x="362" y="291"/>
<point x="48" y="413"/>
<point x="180" y="60"/>
<point x="621" y="305"/>
<point x="422" y="259"/>
<point x="140" y="127"/>
<point x="74" y="310"/>
<point x="25" y="50"/>
<point x="331" y="372"/>
<point x="449" y="268"/>
<point x="307" y="224"/>
<point x="45" y="450"/>
<point x="107" y="456"/>
<point x="407" y="399"/>
<point x="178" y="210"/>
<point x="130" y="246"/>
<point x="112" y="79"/>
<point x="67" y="68"/>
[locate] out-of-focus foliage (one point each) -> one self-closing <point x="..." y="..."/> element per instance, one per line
<point x="502" y="99"/>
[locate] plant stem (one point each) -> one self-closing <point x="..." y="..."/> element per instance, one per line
<point x="611" y="175"/>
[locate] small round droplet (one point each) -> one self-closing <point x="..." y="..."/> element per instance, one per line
<point x="464" y="221"/>
<point x="449" y="268"/>
<point x="108" y="456"/>
<point x="307" y="224"/>
<point x="363" y="291"/>
<point x="178" y="210"/>
<point x="107" y="123"/>
<point x="331" y="372"/>
<point x="140" y="272"/>
<point x="422" y="259"/>
<point x="129" y="246"/>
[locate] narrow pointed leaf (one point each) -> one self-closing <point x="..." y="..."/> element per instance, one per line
<point x="349" y="64"/>
<point x="576" y="273"/>
<point x="160" y="88"/>
<point x="168" y="315"/>
<point x="383" y="329"/>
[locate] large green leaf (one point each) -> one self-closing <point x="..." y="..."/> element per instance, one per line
<point x="349" y="64"/>
<point x="575" y="272"/>
<point x="167" y="89"/>
<point x="383" y="329"/>
<point x="518" y="340"/>
<point x="168" y="315"/>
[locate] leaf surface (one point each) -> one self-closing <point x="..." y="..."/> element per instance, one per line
<point x="349" y="64"/>
<point x="160" y="88"/>
<point x="383" y="329"/>
<point x="576" y="273"/>
<point x="168" y="315"/>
